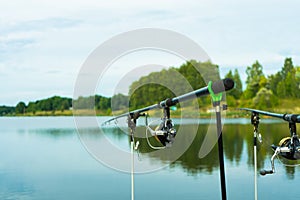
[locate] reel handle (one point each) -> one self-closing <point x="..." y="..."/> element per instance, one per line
<point x="265" y="172"/>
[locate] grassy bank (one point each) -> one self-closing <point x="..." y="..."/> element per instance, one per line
<point x="284" y="106"/>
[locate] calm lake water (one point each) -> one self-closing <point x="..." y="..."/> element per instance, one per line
<point x="43" y="158"/>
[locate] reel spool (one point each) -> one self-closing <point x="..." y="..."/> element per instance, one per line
<point x="289" y="149"/>
<point x="165" y="133"/>
<point x="293" y="145"/>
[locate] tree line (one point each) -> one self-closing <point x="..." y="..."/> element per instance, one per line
<point x="56" y="103"/>
<point x="158" y="86"/>
<point x="261" y="91"/>
<point x="101" y="103"/>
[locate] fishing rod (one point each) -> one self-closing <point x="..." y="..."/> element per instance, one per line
<point x="288" y="147"/>
<point x="165" y="133"/>
<point x="292" y="118"/>
<point x="217" y="87"/>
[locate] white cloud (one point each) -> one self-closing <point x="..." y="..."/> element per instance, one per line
<point x="38" y="37"/>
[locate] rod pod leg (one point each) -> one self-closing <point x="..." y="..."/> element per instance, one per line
<point x="220" y="150"/>
<point x="216" y="98"/>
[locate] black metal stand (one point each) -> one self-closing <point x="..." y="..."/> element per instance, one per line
<point x="220" y="149"/>
<point x="216" y="99"/>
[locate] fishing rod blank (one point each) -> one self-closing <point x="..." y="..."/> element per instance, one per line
<point x="217" y="87"/>
<point x="293" y="118"/>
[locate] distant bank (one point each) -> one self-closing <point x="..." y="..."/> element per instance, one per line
<point x="279" y="92"/>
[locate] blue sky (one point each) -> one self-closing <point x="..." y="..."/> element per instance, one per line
<point x="44" y="43"/>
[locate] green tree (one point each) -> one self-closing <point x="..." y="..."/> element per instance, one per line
<point x="103" y="103"/>
<point x="167" y="83"/>
<point x="274" y="80"/>
<point x="238" y="84"/>
<point x="255" y="80"/>
<point x="280" y="90"/>
<point x="119" y="101"/>
<point x="84" y="102"/>
<point x="7" y="110"/>
<point x="290" y="84"/>
<point x="238" y="87"/>
<point x="31" y="107"/>
<point x="45" y="105"/>
<point x="231" y="101"/>
<point x="284" y="83"/>
<point x="264" y="99"/>
<point x="287" y="67"/>
<point x="64" y="105"/>
<point x="297" y="81"/>
<point x="254" y="73"/>
<point x="20" y="108"/>
<point x="50" y="104"/>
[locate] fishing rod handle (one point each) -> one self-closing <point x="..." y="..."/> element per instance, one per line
<point x="265" y="172"/>
<point x="292" y="118"/>
<point x="222" y="85"/>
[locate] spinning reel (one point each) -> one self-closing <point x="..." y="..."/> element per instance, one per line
<point x="292" y="146"/>
<point x="164" y="133"/>
<point x="288" y="147"/>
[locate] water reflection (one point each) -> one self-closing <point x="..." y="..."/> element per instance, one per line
<point x="42" y="158"/>
<point x="189" y="160"/>
<point x="53" y="132"/>
<point x="237" y="138"/>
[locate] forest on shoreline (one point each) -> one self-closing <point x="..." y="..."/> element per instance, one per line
<point x="278" y="92"/>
